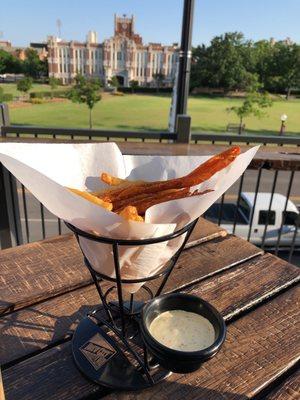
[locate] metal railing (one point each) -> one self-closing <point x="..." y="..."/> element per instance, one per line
<point x="83" y="134"/>
<point x="15" y="131"/>
<point x="23" y="219"/>
<point x="27" y="220"/>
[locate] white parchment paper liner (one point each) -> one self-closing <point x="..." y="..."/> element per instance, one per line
<point x="47" y="169"/>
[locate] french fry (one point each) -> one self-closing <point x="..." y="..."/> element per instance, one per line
<point x="93" y="199"/>
<point x="197" y="176"/>
<point x="143" y="196"/>
<point x="115" y="181"/>
<point x="131" y="199"/>
<point x="109" y="194"/>
<point x="111" y="180"/>
<point x="130" y="213"/>
<point x="143" y="205"/>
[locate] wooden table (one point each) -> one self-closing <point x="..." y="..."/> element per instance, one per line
<point x="45" y="290"/>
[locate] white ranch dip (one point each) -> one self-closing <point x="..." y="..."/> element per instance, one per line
<point x="182" y="330"/>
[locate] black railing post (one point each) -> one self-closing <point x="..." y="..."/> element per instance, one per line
<point x="4" y="118"/>
<point x="185" y="55"/>
<point x="5" y="236"/>
<point x="183" y="128"/>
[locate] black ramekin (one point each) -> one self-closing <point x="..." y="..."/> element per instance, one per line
<point x="175" y="360"/>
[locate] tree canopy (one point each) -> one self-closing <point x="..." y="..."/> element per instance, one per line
<point x="9" y="64"/>
<point x="230" y="62"/>
<point x="255" y="103"/>
<point x="86" y="91"/>
<point x="32" y="66"/>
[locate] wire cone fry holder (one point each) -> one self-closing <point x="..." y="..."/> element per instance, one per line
<point x="107" y="346"/>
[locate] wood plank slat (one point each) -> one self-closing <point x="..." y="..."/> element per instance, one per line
<point x="259" y="347"/>
<point x="288" y="390"/>
<point x="56" y="365"/>
<point x="244" y="286"/>
<point x="40" y="325"/>
<point x="210" y="258"/>
<point x="33" y="272"/>
<point x="36" y="271"/>
<point x="203" y="232"/>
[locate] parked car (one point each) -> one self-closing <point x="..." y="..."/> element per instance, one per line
<point x="278" y="215"/>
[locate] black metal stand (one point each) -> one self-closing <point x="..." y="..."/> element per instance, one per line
<point x="107" y="345"/>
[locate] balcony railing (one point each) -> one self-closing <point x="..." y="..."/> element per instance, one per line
<point x="15" y="131"/>
<point x="24" y="219"/>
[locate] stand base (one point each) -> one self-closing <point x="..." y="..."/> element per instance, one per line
<point x="101" y="358"/>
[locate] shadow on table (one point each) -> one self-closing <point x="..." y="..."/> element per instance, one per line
<point x="30" y="330"/>
<point x="179" y="391"/>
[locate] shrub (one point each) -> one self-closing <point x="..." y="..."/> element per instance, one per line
<point x="117" y="93"/>
<point x="36" y="95"/>
<point x="145" y="90"/>
<point x="47" y="94"/>
<point x="24" y="84"/>
<point x="7" y="97"/>
<point x="36" y="101"/>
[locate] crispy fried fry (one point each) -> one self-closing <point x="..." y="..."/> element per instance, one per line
<point x="108" y="194"/>
<point x="143" y="205"/>
<point x="130" y="213"/>
<point x="93" y="199"/>
<point x="119" y="205"/>
<point x="111" y="180"/>
<point x="197" y="176"/>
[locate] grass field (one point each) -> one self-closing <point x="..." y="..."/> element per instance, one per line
<point x="36" y="87"/>
<point x="145" y="112"/>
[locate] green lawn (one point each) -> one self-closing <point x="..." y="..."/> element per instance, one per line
<point x="145" y="112"/>
<point x="36" y="87"/>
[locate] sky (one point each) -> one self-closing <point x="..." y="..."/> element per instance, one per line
<point x="25" y="21"/>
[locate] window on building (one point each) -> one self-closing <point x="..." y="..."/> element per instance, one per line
<point x="119" y="55"/>
<point x="266" y="217"/>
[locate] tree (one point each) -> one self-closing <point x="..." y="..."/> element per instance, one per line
<point x="114" y="82"/>
<point x="287" y="63"/>
<point x="9" y="64"/>
<point x="159" y="78"/>
<point x="226" y="63"/>
<point x="24" y="85"/>
<point x="263" y="55"/>
<point x="53" y="82"/>
<point x="254" y="104"/>
<point x="33" y="66"/>
<point x="228" y="57"/>
<point x="134" y="85"/>
<point x="86" y="91"/>
<point x="199" y="68"/>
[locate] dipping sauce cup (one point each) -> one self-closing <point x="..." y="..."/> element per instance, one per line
<point x="177" y="360"/>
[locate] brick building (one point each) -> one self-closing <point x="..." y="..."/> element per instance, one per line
<point x="124" y="55"/>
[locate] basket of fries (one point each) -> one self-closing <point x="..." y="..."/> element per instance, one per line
<point x="132" y="216"/>
<point x="98" y="190"/>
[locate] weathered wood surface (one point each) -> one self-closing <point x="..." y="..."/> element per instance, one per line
<point x="246" y="285"/>
<point x="205" y="231"/>
<point x="33" y="272"/>
<point x="272" y="156"/>
<point x="208" y="259"/>
<point x="36" y="271"/>
<point x="259" y="347"/>
<point x="39" y="325"/>
<point x="56" y="365"/>
<point x="288" y="390"/>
